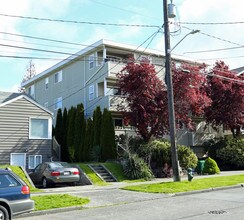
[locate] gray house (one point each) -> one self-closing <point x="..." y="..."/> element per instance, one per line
<point x="25" y="131"/>
<point x="89" y="77"/>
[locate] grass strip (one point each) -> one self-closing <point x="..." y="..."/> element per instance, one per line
<point x="185" y="186"/>
<point x="57" y="201"/>
<point x="17" y="170"/>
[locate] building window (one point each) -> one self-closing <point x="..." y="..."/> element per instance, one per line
<point x="46" y="83"/>
<point x="58" y="103"/>
<point x="91" y="92"/>
<point x="40" y="128"/>
<point x="34" y="160"/>
<point x="58" y="77"/>
<point x="91" y="61"/>
<point x="118" y="123"/>
<point x="31" y="91"/>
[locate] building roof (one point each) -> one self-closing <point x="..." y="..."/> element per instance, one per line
<point x="99" y="44"/>
<point x="8" y="97"/>
<point x="239" y="70"/>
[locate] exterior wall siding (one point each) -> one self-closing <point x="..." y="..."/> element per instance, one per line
<point x="14" y="131"/>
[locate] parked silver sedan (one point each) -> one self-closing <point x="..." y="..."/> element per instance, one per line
<point x="51" y="173"/>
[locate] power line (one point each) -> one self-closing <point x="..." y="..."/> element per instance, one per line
<point x="212" y="36"/>
<point x="221" y="58"/>
<point x="213" y="23"/>
<point x="81" y="22"/>
<point x="214" y="50"/>
<point x="45" y="39"/>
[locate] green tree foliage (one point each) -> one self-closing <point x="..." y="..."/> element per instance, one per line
<point x="210" y="166"/>
<point x="64" y="147"/>
<point x="70" y="134"/>
<point x="107" y="137"/>
<point x="136" y="168"/>
<point x="187" y="157"/>
<point x="88" y="140"/>
<point x="233" y="152"/>
<point x="58" y="127"/>
<point x="97" y="122"/>
<point x="78" y="123"/>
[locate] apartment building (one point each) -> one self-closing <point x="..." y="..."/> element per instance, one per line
<point x="89" y="77"/>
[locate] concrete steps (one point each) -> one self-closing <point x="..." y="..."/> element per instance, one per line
<point x="102" y="172"/>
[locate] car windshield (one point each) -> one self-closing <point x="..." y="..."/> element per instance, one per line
<point x="55" y="165"/>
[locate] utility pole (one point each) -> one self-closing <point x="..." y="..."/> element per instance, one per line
<point x="168" y="78"/>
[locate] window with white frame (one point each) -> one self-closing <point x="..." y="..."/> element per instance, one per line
<point x="46" y="83"/>
<point x="58" y="103"/>
<point x="31" y="91"/>
<point x="40" y="128"/>
<point x="91" y="61"/>
<point x="91" y="92"/>
<point x="58" y="77"/>
<point x="34" y="160"/>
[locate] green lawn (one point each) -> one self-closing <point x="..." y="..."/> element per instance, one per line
<point x="184" y="186"/>
<point x="57" y="201"/>
<point x="17" y="170"/>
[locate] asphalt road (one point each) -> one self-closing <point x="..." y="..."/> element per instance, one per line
<point x="118" y="204"/>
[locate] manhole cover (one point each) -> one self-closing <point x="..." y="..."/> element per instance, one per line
<point x="217" y="212"/>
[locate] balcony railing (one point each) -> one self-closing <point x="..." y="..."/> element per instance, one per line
<point x="115" y="101"/>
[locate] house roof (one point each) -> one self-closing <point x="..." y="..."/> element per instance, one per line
<point x="95" y="46"/>
<point x="8" y="97"/>
<point x="239" y="70"/>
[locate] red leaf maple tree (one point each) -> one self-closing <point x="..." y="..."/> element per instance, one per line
<point x="226" y="89"/>
<point x="146" y="99"/>
<point x="190" y="97"/>
<point x="146" y="96"/>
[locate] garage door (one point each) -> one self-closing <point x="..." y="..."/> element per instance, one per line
<point x="18" y="159"/>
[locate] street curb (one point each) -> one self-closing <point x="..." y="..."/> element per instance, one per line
<point x="207" y="190"/>
<point x="49" y="211"/>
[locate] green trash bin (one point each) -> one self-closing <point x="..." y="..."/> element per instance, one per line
<point x="200" y="166"/>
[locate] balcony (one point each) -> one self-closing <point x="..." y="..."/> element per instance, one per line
<point x="115" y="101"/>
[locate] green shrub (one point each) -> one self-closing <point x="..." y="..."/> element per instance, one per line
<point x="135" y="168"/>
<point x="187" y="157"/>
<point x="161" y="152"/>
<point x="210" y="166"/>
<point x="233" y="153"/>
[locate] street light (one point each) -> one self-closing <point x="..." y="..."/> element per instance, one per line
<point x="168" y="78"/>
<point x="192" y="32"/>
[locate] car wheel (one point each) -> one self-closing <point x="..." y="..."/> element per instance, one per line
<point x="73" y="184"/>
<point x="3" y="213"/>
<point x="44" y="182"/>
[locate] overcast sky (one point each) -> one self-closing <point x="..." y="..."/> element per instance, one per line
<point x="221" y="25"/>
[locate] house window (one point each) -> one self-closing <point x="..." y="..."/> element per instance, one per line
<point x="58" y="103"/>
<point x="46" y="83"/>
<point x="91" y="92"/>
<point x="118" y="123"/>
<point x="40" y="128"/>
<point x="31" y="91"/>
<point x="34" y="160"/>
<point x="58" y="77"/>
<point x="91" y="61"/>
